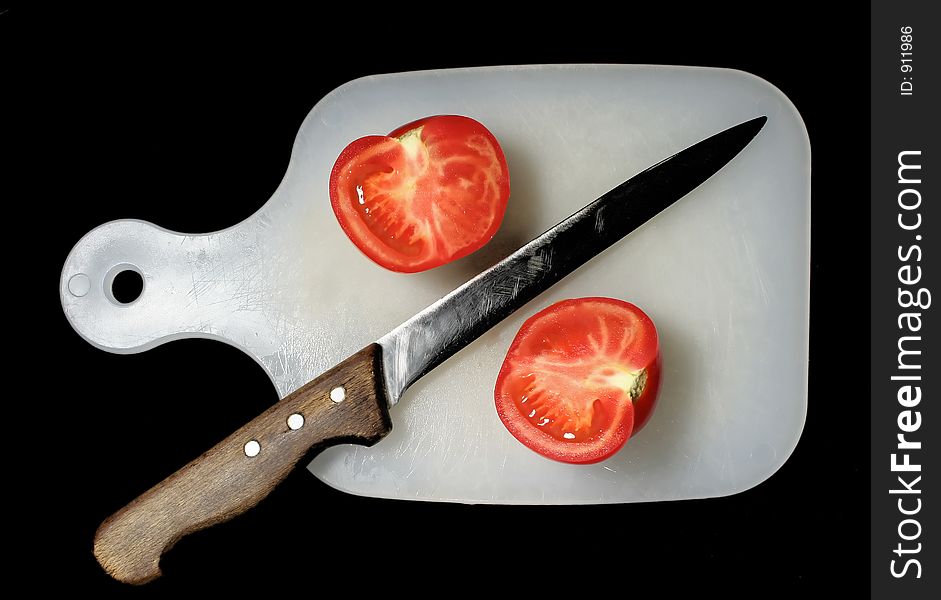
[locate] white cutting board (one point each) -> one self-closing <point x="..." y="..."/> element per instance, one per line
<point x="724" y="274"/>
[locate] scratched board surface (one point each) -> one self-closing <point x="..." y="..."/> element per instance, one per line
<point x="724" y="274"/>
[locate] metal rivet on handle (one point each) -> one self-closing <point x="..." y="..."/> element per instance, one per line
<point x="338" y="394"/>
<point x="252" y="448"/>
<point x="296" y="421"/>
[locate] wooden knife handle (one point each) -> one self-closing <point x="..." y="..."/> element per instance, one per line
<point x="347" y="404"/>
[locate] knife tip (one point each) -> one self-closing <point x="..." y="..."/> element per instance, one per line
<point x="757" y="122"/>
<point x="749" y="129"/>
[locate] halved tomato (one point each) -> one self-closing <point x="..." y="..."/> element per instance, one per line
<point x="429" y="193"/>
<point x="580" y="378"/>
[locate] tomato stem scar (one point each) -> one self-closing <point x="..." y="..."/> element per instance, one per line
<point x="639" y="384"/>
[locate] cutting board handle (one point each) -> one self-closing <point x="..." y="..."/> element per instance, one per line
<point x="347" y="404"/>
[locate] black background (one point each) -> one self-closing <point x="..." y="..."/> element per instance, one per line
<point x="187" y="120"/>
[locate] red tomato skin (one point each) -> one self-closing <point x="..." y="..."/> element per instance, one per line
<point x="438" y="127"/>
<point x="633" y="416"/>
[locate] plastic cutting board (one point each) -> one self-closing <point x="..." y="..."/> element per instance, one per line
<point x="724" y="273"/>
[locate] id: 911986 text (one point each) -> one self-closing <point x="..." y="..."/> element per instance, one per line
<point x="906" y="88"/>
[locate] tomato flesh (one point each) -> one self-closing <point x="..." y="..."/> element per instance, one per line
<point x="580" y="378"/>
<point x="427" y="194"/>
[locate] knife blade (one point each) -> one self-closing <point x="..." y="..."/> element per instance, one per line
<point x="434" y="334"/>
<point x="350" y="402"/>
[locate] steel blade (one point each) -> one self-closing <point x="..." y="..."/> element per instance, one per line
<point x="436" y="333"/>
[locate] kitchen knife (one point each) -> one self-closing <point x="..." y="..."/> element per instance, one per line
<point x="350" y="402"/>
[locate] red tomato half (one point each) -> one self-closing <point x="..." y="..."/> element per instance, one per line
<point x="580" y="378"/>
<point x="429" y="193"/>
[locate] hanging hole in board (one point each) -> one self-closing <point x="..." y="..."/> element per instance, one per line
<point x="124" y="284"/>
